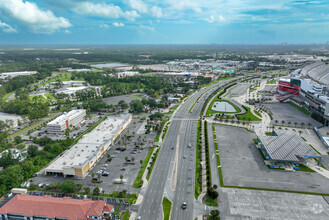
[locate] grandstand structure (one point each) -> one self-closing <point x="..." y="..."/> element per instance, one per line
<point x="319" y="72"/>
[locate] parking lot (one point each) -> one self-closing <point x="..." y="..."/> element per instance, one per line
<point x="239" y="90"/>
<point x="243" y="165"/>
<point x="255" y="204"/>
<point x="117" y="166"/>
<point x="127" y="98"/>
<point x="288" y="113"/>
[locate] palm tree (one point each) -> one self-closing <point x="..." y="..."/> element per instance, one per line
<point x="289" y="123"/>
<point x="276" y="122"/>
<point x="108" y="155"/>
<point x="309" y="124"/>
<point x="295" y="124"/>
<point x="300" y="132"/>
<point x="141" y="162"/>
<point x="126" y="158"/>
<point x="93" y="175"/>
<point x="302" y="124"/>
<point x="99" y="177"/>
<point x="283" y="122"/>
<point x="133" y="159"/>
<point x="121" y="178"/>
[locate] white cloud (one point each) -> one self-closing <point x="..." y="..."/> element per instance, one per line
<point x="216" y="19"/>
<point x="100" y="10"/>
<point x="131" y="15"/>
<point x="156" y="12"/>
<point x="116" y="24"/>
<point x="7" y="28"/>
<point x="67" y="32"/>
<point x="194" y="5"/>
<point x="104" y="10"/>
<point x="138" y="5"/>
<point x="147" y="27"/>
<point x="30" y="15"/>
<point x="106" y="26"/>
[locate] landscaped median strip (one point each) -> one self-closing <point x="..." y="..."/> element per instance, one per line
<point x="198" y="168"/>
<point x="138" y="181"/>
<point x="150" y="168"/>
<point x="166" y="206"/>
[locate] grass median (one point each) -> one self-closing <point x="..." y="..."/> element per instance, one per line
<point x="154" y="158"/>
<point x="166" y="205"/>
<point x="138" y="181"/>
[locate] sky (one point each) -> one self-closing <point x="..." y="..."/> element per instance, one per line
<point x="99" y="22"/>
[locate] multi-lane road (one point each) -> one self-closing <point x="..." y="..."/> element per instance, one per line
<point x="174" y="172"/>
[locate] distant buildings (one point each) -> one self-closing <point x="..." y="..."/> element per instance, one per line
<point x="14" y="74"/>
<point x="66" y="121"/>
<point x="27" y="207"/>
<point x="83" y="156"/>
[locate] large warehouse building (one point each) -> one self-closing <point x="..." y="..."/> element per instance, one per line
<point x="66" y="121"/>
<point x="81" y="157"/>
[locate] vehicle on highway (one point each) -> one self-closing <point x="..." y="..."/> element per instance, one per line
<point x="189" y="145"/>
<point x="184" y="205"/>
<point x="184" y="156"/>
<point x="123" y="168"/>
<point x="172" y="148"/>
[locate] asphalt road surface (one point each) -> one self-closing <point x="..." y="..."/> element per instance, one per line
<point x="181" y="132"/>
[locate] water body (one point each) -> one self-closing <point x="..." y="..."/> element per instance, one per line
<point x="221" y="106"/>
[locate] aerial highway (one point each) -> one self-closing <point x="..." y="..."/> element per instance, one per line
<point x="174" y="174"/>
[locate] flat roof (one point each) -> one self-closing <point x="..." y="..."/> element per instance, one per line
<point x="287" y="146"/>
<point x="90" y="144"/>
<point x="65" y="116"/>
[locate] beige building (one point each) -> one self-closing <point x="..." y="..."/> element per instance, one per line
<point x="83" y="156"/>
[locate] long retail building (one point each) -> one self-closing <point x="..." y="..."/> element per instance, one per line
<point x="83" y="156"/>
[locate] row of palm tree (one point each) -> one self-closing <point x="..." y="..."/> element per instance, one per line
<point x="289" y="123"/>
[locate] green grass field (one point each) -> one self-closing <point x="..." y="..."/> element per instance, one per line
<point x="302" y="109"/>
<point x="137" y="95"/>
<point x="166" y="205"/>
<point x="5" y="97"/>
<point x="304" y="168"/>
<point x="50" y="96"/>
<point x="248" y="116"/>
<point x="126" y="215"/>
<point x="43" y="99"/>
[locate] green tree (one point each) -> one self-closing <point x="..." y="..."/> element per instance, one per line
<point x="68" y="186"/>
<point x="86" y="189"/>
<point x="18" y="139"/>
<point x="32" y="150"/>
<point x="96" y="191"/>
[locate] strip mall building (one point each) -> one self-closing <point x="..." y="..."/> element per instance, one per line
<point x="84" y="155"/>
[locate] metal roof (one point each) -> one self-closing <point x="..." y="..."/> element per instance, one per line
<point x="287" y="146"/>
